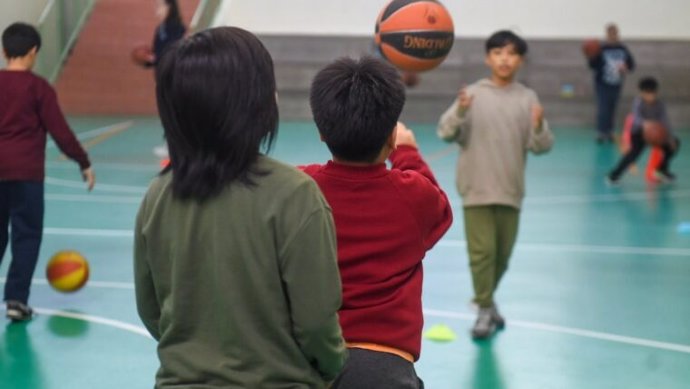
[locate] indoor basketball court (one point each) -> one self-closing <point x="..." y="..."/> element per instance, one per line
<point x="596" y="293"/>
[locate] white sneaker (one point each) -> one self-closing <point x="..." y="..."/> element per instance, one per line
<point x="485" y="325"/>
<point x="497" y="318"/>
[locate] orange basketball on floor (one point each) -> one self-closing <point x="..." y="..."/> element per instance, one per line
<point x="67" y="271"/>
<point x="414" y="35"/>
<point x="591" y="48"/>
<point x="654" y="133"/>
<point x="142" y="55"/>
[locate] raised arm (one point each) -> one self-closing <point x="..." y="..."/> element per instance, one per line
<point x="454" y="124"/>
<point x="540" y="136"/>
<point x="427" y="200"/>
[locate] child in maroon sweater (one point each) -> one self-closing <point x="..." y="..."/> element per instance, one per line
<point x="28" y="110"/>
<point x="386" y="219"/>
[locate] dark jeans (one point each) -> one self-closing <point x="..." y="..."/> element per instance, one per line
<point x="607" y="100"/>
<point x="366" y="369"/>
<point x="21" y="209"/>
<point x="637" y="145"/>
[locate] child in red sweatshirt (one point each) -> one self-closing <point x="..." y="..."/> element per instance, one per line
<point x="386" y="219"/>
<point x="28" y="111"/>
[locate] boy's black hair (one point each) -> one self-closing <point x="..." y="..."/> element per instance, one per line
<point x="216" y="95"/>
<point x="356" y="105"/>
<point x="504" y="38"/>
<point x="648" y="84"/>
<point x="19" y="38"/>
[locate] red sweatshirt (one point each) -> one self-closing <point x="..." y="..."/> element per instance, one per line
<point x="385" y="222"/>
<point x="28" y="110"/>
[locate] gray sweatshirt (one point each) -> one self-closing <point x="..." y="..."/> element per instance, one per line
<point x="494" y="135"/>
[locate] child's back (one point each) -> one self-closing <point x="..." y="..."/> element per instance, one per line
<point x="386" y="219"/>
<point x="29" y="110"/>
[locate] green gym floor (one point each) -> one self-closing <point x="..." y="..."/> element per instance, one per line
<point x="596" y="296"/>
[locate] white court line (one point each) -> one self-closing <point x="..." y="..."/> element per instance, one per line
<point x="100" y="187"/>
<point x="93" y="198"/>
<point x="599" y="198"/>
<point x="428" y="312"/>
<point x="88" y="232"/>
<point x="661" y="251"/>
<point x="97" y="284"/>
<point x="96" y="319"/>
<point x="607" y="198"/>
<point x="572" y="331"/>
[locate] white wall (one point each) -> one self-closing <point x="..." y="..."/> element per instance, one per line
<point x="27" y="11"/>
<point x="639" y="19"/>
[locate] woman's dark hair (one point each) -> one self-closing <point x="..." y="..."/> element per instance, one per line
<point x="648" y="84"/>
<point x="504" y="38"/>
<point x="356" y="105"/>
<point x="216" y="97"/>
<point x="19" y="38"/>
<point x="174" y="16"/>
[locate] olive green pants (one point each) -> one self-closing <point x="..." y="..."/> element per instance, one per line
<point x="490" y="231"/>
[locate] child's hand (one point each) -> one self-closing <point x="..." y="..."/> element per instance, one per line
<point x="537" y="117"/>
<point x="89" y="178"/>
<point x="464" y="101"/>
<point x="404" y="136"/>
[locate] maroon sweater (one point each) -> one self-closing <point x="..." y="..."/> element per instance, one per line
<point x="28" y="110"/>
<point x="385" y="222"/>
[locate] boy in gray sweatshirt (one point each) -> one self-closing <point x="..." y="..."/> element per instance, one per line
<point x="495" y="121"/>
<point x="647" y="108"/>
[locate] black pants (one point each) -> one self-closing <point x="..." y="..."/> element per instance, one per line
<point x="366" y="369"/>
<point x="637" y="145"/>
<point x="21" y="209"/>
<point x="607" y="100"/>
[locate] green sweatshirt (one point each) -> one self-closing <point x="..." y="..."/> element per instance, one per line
<point x="494" y="134"/>
<point x="242" y="290"/>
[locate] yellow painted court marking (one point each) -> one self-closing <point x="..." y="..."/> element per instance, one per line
<point x="105" y="135"/>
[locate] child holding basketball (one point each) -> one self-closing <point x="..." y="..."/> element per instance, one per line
<point x="496" y="121"/>
<point x="28" y="112"/>
<point x="386" y="219"/>
<point x="648" y="110"/>
<point x="235" y="268"/>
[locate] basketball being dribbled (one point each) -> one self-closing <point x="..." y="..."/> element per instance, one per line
<point x="414" y="35"/>
<point x="142" y="55"/>
<point x="591" y="48"/>
<point x="654" y="133"/>
<point x="67" y="271"/>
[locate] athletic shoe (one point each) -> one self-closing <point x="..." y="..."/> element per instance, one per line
<point x="665" y="176"/>
<point x="611" y="182"/>
<point x="17" y="311"/>
<point x="497" y="318"/>
<point x="485" y="325"/>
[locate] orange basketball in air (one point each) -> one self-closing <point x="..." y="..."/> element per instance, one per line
<point x="67" y="271"/>
<point x="414" y="35"/>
